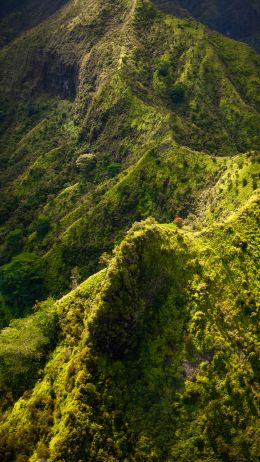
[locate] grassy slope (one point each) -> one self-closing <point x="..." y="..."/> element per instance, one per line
<point x="156" y="355"/>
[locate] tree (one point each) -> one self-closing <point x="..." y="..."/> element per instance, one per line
<point x="42" y="226"/>
<point x="75" y="277"/>
<point x="163" y="70"/>
<point x="86" y="162"/>
<point x="114" y="169"/>
<point x="14" y="242"/>
<point x="22" y="281"/>
<point x="178" y="221"/>
<point x="178" y="94"/>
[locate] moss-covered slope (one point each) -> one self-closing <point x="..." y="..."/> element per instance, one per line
<point x="112" y="112"/>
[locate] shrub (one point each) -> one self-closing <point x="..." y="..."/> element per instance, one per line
<point x="75" y="277"/>
<point x="104" y="260"/>
<point x="114" y="169"/>
<point x="178" y="221"/>
<point x="163" y="70"/>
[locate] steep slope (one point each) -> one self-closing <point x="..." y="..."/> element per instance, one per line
<point x="156" y="356"/>
<point x="113" y="112"/>
<point x="237" y="18"/>
<point x="128" y="86"/>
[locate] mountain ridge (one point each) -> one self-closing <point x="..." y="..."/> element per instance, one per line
<point x="237" y="19"/>
<point x="148" y="103"/>
<point x="112" y="328"/>
<point x="129" y="239"/>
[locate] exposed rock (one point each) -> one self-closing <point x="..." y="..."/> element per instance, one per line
<point x="50" y="74"/>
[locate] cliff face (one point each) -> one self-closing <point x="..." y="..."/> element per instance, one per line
<point x="238" y="19"/>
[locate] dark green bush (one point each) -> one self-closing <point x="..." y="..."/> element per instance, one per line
<point x="42" y="226"/>
<point x="22" y="281"/>
<point x="178" y="94"/>
<point x="113" y="169"/>
<point x="163" y="70"/>
<point x="14" y="242"/>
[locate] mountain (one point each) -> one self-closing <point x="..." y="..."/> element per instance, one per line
<point x="128" y="87"/>
<point x="129" y="172"/>
<point x="238" y="19"/>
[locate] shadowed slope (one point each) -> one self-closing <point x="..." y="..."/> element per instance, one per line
<point x="18" y="16"/>
<point x="237" y="18"/>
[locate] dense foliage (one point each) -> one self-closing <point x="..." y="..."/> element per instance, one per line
<point x="91" y="144"/>
<point x="157" y="355"/>
<point x="23" y="346"/>
<point x="22" y="282"/>
<point x="116" y="113"/>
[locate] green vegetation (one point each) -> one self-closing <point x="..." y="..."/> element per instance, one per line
<point x="80" y="165"/>
<point x="156" y="354"/>
<point x="23" y="346"/>
<point x="22" y="282"/>
<point x="129" y="170"/>
<point x="178" y="94"/>
<point x="235" y="19"/>
<point x="14" y="242"/>
<point x="42" y="226"/>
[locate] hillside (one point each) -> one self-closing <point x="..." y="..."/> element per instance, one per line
<point x="238" y="19"/>
<point x="17" y="16"/>
<point x="129" y="103"/>
<point x="129" y="236"/>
